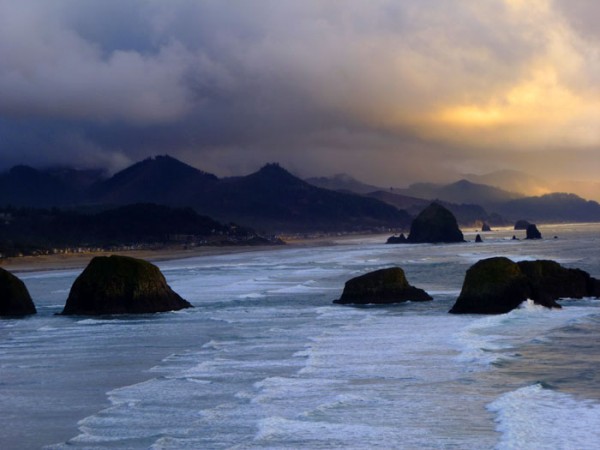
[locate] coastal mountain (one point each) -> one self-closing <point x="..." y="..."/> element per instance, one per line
<point x="274" y="199"/>
<point x="161" y="179"/>
<point x="26" y="186"/>
<point x="513" y="181"/>
<point x="462" y="191"/>
<point x="37" y="231"/>
<point x="342" y="182"/>
<point x="556" y="207"/>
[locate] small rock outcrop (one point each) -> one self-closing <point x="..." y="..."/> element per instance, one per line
<point x="397" y="239"/>
<point x="532" y="232"/>
<point x="478" y="239"/>
<point x="435" y="224"/>
<point x="485" y="227"/>
<point x="121" y="285"/>
<point x="382" y="286"/>
<point x="521" y="224"/>
<point x="499" y="285"/>
<point x="14" y="296"/>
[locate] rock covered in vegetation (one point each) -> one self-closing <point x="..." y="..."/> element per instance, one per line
<point x="121" y="285"/>
<point x="382" y="286"/>
<point x="498" y="285"/>
<point x="532" y="232"/>
<point x="14" y="296"/>
<point x="435" y="224"/>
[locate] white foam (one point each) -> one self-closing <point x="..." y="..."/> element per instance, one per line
<point x="490" y="338"/>
<point x="537" y="418"/>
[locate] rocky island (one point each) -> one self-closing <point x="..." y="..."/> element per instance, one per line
<point x="121" y="285"/>
<point x="14" y="296"/>
<point x="382" y="286"/>
<point x="498" y="285"/>
<point x="435" y="224"/>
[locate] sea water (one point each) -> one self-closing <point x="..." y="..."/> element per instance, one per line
<point x="266" y="361"/>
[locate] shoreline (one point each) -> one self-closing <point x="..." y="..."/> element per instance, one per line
<point x="27" y="264"/>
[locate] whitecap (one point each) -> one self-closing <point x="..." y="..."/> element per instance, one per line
<point x="534" y="417"/>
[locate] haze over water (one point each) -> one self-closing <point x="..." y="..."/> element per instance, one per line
<point x="264" y="360"/>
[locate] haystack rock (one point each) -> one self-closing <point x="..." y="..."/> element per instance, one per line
<point x="382" y="286"/>
<point x="499" y="285"/>
<point x="435" y="224"/>
<point x="14" y="296"/>
<point x="121" y="285"/>
<point x="521" y="224"/>
<point x="532" y="232"/>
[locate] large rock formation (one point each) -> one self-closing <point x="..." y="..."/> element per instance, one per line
<point x="532" y="232"/>
<point x="121" y="285"/>
<point x="382" y="286"/>
<point x="435" y="224"/>
<point x="521" y="224"/>
<point x="14" y="296"/>
<point x="498" y="285"/>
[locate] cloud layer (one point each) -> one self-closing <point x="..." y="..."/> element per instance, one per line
<point x="390" y="91"/>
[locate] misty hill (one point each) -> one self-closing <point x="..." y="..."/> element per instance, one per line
<point x="342" y="182"/>
<point x="462" y="191"/>
<point x="161" y="179"/>
<point x="513" y="181"/>
<point x="557" y="207"/>
<point x="30" y="231"/>
<point x="275" y="199"/>
<point x="466" y="214"/>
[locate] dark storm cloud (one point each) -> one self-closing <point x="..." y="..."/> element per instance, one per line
<point x="386" y="90"/>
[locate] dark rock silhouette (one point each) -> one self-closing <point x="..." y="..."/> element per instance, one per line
<point x="514" y="238"/>
<point x="14" y="296"/>
<point x="121" y="285"/>
<point x="435" y="224"/>
<point x="532" y="232"/>
<point x="397" y="239"/>
<point x="485" y="227"/>
<point x="498" y="285"/>
<point x="382" y="286"/>
<point x="521" y="224"/>
<point x="478" y="238"/>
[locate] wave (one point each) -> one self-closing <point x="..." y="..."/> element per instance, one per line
<point x="535" y="417"/>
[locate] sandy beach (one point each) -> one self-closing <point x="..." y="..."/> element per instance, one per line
<point x="80" y="260"/>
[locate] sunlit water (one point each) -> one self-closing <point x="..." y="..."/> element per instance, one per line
<point x="265" y="360"/>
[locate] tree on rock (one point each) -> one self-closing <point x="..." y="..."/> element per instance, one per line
<point x="121" y="285"/>
<point x="14" y="296"/>
<point x="382" y="286"/>
<point x="435" y="224"/>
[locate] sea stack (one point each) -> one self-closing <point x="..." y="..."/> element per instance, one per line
<point x="382" y="286"/>
<point x="521" y="224"/>
<point x="14" y="296"/>
<point x="435" y="224"/>
<point x="498" y="285"/>
<point x="397" y="239"/>
<point x="121" y="285"/>
<point x="532" y="232"/>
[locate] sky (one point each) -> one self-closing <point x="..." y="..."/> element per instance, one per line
<point x="390" y="91"/>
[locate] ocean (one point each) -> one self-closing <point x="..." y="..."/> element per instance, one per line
<point x="266" y="361"/>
